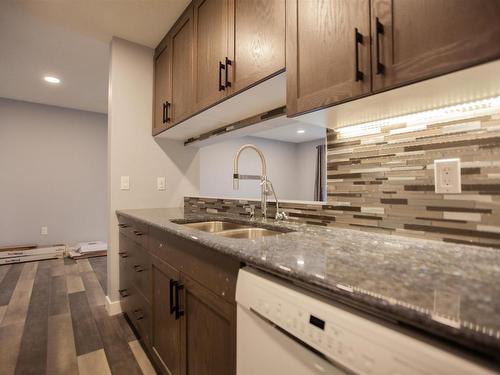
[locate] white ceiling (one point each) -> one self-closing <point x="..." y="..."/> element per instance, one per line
<point x="70" y="40"/>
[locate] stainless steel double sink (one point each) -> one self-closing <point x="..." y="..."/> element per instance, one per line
<point x="233" y="230"/>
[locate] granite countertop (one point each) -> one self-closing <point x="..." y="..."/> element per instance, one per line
<point x="448" y="290"/>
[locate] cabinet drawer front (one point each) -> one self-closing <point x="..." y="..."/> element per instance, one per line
<point x="125" y="250"/>
<point x="140" y="270"/>
<point x="137" y="232"/>
<point x="216" y="271"/>
<point x="138" y="311"/>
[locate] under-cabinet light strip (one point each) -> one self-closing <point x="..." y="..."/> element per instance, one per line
<point x="420" y="119"/>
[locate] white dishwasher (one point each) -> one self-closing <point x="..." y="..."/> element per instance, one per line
<point x="282" y="329"/>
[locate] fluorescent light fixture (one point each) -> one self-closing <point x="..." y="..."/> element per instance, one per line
<point x="301" y="131"/>
<point x="51" y="79"/>
<point x="415" y="121"/>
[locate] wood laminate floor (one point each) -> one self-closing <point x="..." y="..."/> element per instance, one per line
<point x="53" y="321"/>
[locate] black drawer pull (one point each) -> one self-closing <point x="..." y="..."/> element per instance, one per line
<point x="139" y="315"/>
<point x="13" y="260"/>
<point x="178" y="312"/>
<point x="358" y="39"/>
<point x="228" y="63"/>
<point x="14" y="253"/>
<point x="164" y="113"/>
<point x="138" y="233"/>
<point x="124" y="293"/>
<point x="138" y="268"/>
<point x="221" y="86"/>
<point x="379" y="30"/>
<point x="171" y="296"/>
<point x="123" y="225"/>
<point x="123" y="254"/>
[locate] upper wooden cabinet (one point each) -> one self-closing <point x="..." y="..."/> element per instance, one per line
<point x="181" y="42"/>
<point x="327" y="52"/>
<point x="162" y="96"/>
<point x="418" y="39"/>
<point x="256" y="41"/>
<point x="216" y="49"/>
<point x="329" y="45"/>
<point x="210" y="51"/>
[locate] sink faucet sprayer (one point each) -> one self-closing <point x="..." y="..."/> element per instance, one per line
<point x="265" y="184"/>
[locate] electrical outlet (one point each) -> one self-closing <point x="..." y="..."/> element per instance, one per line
<point x="125" y="183"/>
<point x="447" y="176"/>
<point x="161" y="183"/>
<point x="44" y="231"/>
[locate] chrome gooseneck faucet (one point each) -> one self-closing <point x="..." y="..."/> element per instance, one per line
<point x="265" y="184"/>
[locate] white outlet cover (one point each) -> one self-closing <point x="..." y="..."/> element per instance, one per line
<point x="161" y="183"/>
<point x="447" y="176"/>
<point x="125" y="183"/>
<point x="44" y="231"/>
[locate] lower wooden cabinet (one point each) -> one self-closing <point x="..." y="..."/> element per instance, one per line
<point x="179" y="297"/>
<point x="135" y="286"/>
<point x="166" y="325"/>
<point x="209" y="331"/>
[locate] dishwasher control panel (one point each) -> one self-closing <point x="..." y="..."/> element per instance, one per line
<point x="346" y="339"/>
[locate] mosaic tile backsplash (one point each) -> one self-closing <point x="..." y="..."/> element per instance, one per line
<point x="382" y="179"/>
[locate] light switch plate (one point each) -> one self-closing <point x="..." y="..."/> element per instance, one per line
<point x="161" y="183"/>
<point x="44" y="230"/>
<point x="124" y="183"/>
<point x="447" y="176"/>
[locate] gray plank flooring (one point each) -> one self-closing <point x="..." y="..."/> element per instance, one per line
<point x="53" y="320"/>
<point x="100" y="267"/>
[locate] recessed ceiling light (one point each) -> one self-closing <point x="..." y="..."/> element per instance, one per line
<point x="51" y="79"/>
<point x="301" y="131"/>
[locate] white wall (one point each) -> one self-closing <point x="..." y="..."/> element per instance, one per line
<point x="290" y="167"/>
<point x="132" y="151"/>
<point x="52" y="173"/>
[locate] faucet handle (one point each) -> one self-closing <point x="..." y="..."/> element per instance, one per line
<point x="281" y="215"/>
<point x="251" y="210"/>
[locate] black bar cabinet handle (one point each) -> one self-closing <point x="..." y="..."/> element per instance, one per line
<point x="228" y="62"/>
<point x="123" y="225"/>
<point x="178" y="312"/>
<point x="358" y="39"/>
<point x="138" y="233"/>
<point x="123" y="293"/>
<point x="171" y="295"/>
<point x="164" y="113"/>
<point x="167" y="107"/>
<point x="123" y="254"/>
<point x="221" y="86"/>
<point x="379" y="30"/>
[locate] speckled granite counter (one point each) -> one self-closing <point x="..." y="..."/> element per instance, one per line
<point x="449" y="290"/>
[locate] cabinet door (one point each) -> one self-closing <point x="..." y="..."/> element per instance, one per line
<point x="210" y="37"/>
<point x="162" y="91"/>
<point x="181" y="43"/>
<point x="209" y="326"/>
<point x="256" y="41"/>
<point x="418" y="39"/>
<point x="166" y="330"/>
<point x="327" y="52"/>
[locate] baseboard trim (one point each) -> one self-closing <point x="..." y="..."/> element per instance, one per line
<point x="113" y="307"/>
